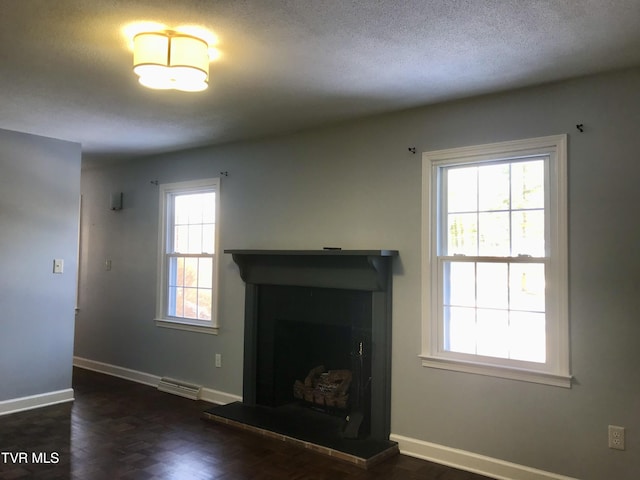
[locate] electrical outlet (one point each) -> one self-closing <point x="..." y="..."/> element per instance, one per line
<point x="218" y="360"/>
<point x="616" y="437"/>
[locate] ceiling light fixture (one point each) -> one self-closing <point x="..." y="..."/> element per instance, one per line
<point x="168" y="60"/>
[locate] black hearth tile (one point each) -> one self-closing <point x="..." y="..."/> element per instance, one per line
<point x="321" y="431"/>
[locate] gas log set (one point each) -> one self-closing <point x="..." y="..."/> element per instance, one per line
<point x="324" y="389"/>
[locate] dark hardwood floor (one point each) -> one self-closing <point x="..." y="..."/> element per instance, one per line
<point x="116" y="429"/>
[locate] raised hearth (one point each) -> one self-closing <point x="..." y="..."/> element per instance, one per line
<point x="303" y="309"/>
<point x="300" y="427"/>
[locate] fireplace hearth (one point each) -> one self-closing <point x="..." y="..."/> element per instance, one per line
<point x="317" y="350"/>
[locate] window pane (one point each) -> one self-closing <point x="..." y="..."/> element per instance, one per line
<point x="493" y="191"/>
<point x="527" y="184"/>
<point x="527" y="332"/>
<point x="463" y="234"/>
<point x="492" y="285"/>
<point x="462" y="189"/>
<point x="209" y="210"/>
<point x="181" y="239"/>
<point x="494" y="234"/>
<point x="204" y="304"/>
<point x="195" y="239"/>
<point x="205" y="272"/>
<point x="526" y="287"/>
<point x="528" y="233"/>
<point x="493" y="333"/>
<point x="190" y="303"/>
<point x="190" y="272"/>
<point x="460" y="329"/>
<point x="181" y="209"/>
<point x="176" y="271"/>
<point x="176" y="302"/>
<point x="194" y="207"/>
<point x="460" y="284"/>
<point x="208" y="238"/>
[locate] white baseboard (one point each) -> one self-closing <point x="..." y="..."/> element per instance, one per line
<point x="35" y="401"/>
<point x="471" y="462"/>
<point x="116" y="371"/>
<point x="206" y="394"/>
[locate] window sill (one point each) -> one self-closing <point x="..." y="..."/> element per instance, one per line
<point x="497" y="371"/>
<point x="189" y="327"/>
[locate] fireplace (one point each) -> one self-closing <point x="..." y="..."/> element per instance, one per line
<point x="315" y="320"/>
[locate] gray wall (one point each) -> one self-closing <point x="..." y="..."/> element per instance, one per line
<point x="39" y="199"/>
<point x="355" y="185"/>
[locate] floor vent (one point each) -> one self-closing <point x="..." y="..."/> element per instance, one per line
<point x="187" y="390"/>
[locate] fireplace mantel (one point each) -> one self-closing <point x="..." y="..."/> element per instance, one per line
<point x="328" y="268"/>
<point x="345" y="288"/>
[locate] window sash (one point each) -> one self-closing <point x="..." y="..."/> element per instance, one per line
<point x="190" y="227"/>
<point x="441" y="196"/>
<point x="509" y="308"/>
<point x="201" y="287"/>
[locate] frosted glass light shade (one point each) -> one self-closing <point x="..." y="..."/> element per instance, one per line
<point x="170" y="60"/>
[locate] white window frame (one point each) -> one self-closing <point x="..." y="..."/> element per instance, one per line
<point x="162" y="319"/>
<point x="556" y="370"/>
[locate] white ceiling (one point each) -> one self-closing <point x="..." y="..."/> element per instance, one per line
<point x="65" y="67"/>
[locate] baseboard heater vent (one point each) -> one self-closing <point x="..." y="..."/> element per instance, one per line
<point x="187" y="390"/>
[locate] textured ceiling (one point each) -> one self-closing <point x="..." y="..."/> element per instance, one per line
<point x="65" y="67"/>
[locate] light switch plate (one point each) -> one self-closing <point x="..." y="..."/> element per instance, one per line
<point x="58" y="265"/>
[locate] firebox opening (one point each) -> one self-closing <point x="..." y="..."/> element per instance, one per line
<point x="301" y="347"/>
<point x="302" y="329"/>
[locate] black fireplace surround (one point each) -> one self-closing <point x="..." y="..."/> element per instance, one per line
<point x="305" y="308"/>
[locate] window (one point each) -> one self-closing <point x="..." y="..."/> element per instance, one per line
<point x="495" y="260"/>
<point x="187" y="264"/>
